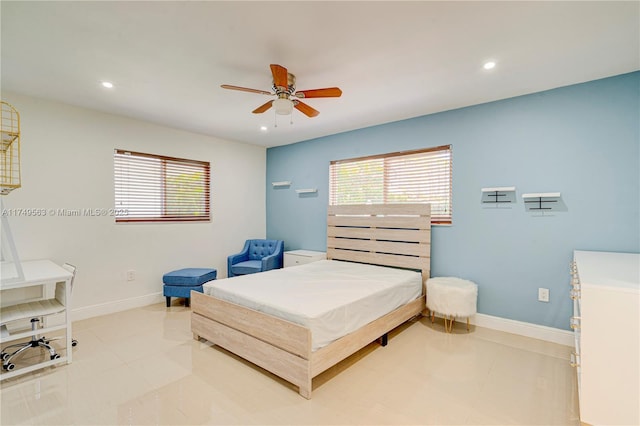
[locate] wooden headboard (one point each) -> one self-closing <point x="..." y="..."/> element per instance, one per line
<point x="381" y="234"/>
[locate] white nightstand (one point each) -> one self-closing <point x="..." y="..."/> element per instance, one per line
<point x="300" y="257"/>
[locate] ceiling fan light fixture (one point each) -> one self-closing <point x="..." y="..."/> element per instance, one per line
<point x="283" y="106"/>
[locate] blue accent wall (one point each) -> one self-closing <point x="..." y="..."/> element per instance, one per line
<point x="581" y="140"/>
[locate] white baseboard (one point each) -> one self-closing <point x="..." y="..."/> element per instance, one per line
<point x="527" y="329"/>
<point x="116" y="306"/>
<point x="535" y="331"/>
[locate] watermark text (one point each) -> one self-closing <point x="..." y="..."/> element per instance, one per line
<point x="62" y="212"/>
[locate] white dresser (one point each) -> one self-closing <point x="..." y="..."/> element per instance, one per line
<point x="606" y="294"/>
<point x="300" y="257"/>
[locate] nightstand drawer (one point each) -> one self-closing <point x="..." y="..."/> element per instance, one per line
<point x="300" y="257"/>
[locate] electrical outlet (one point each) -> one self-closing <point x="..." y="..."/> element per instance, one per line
<point x="543" y="294"/>
<point x="131" y="275"/>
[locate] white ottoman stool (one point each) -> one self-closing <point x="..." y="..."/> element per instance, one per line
<point x="451" y="297"/>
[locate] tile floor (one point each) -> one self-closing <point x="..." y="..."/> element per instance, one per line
<point x="142" y="367"/>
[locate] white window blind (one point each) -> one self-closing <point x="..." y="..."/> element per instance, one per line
<point x="154" y="188"/>
<point x="422" y="176"/>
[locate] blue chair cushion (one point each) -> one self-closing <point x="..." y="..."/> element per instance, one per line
<point x="247" y="267"/>
<point x="189" y="277"/>
<point x="179" y="290"/>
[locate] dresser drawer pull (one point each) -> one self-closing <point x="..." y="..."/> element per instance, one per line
<point x="575" y="359"/>
<point x="574" y="294"/>
<point x="574" y="323"/>
<point x="573" y="270"/>
<point x="573" y="267"/>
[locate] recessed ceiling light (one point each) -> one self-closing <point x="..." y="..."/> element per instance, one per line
<point x="263" y="128"/>
<point x="107" y="84"/>
<point x="489" y="65"/>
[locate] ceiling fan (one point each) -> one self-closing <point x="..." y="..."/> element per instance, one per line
<point x="284" y="87"/>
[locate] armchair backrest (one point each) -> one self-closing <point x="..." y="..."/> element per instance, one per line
<point x="261" y="248"/>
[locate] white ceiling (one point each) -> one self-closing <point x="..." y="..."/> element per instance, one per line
<point x="393" y="60"/>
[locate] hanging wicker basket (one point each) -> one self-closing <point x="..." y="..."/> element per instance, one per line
<point x="10" y="149"/>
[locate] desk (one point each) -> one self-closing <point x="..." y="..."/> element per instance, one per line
<point x="39" y="273"/>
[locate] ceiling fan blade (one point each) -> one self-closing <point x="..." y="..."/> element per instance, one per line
<point x="329" y="92"/>
<point x="262" y="108"/>
<point x="246" y="89"/>
<point x="279" y="76"/>
<point x="306" y="109"/>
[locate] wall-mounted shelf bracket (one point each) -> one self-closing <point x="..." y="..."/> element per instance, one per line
<point x="541" y="198"/>
<point x="498" y="195"/>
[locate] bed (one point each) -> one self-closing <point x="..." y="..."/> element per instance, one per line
<point x="295" y="343"/>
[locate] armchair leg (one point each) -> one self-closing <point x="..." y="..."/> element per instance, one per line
<point x="168" y="301"/>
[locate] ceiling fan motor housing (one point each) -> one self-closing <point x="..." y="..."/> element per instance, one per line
<point x="291" y="86"/>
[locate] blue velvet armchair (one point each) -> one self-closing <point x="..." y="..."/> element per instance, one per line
<point x="256" y="256"/>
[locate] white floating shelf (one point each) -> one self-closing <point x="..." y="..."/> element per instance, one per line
<point x="541" y="200"/>
<point x="542" y="195"/>
<point x="499" y="195"/>
<point x="282" y="183"/>
<point x="307" y="191"/>
<point x="500" y="189"/>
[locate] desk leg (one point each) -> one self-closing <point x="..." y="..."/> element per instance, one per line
<point x="67" y="318"/>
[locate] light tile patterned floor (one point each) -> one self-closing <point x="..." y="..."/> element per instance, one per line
<point x="142" y="366"/>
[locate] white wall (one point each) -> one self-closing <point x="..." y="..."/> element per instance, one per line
<point x="67" y="163"/>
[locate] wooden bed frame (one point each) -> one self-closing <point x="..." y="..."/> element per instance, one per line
<point x="397" y="235"/>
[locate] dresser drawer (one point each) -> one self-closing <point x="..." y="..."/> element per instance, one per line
<point x="300" y="257"/>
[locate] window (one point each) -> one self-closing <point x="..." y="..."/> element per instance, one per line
<point x="422" y="176"/>
<point x="153" y="188"/>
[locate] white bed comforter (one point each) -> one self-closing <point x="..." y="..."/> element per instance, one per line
<point x="331" y="298"/>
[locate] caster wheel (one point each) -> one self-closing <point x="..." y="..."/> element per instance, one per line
<point x="74" y="342"/>
<point x="4" y="355"/>
<point x="56" y="356"/>
<point x="8" y="366"/>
